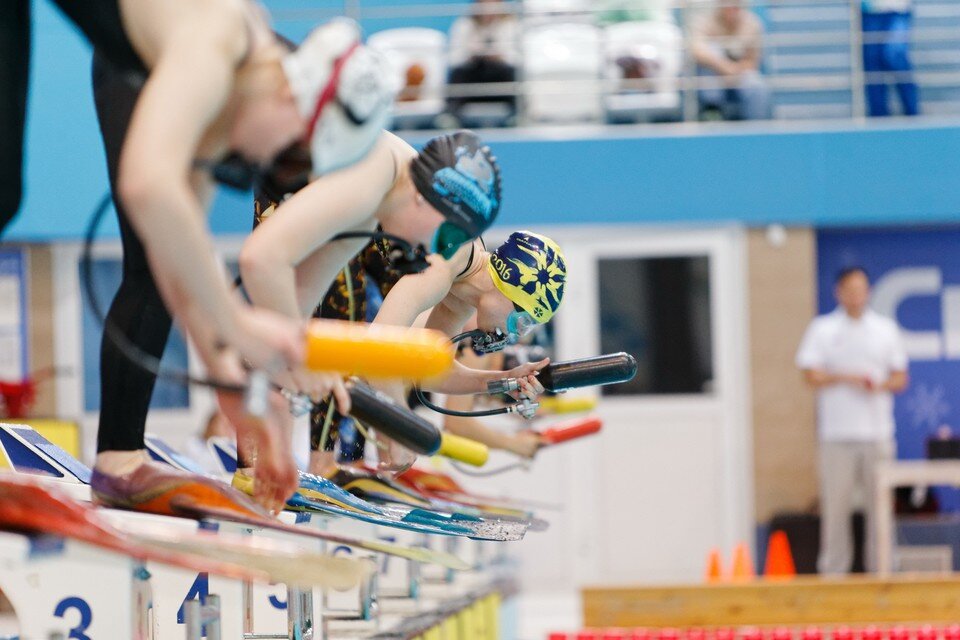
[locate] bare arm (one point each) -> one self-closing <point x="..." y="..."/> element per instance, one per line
<point x="450" y="317"/>
<point x="314" y="276"/>
<point x="186" y="91"/>
<point x="409" y="298"/>
<point x="818" y="378"/>
<point x="524" y="444"/>
<point x="897" y="382"/>
<point x="271" y="258"/>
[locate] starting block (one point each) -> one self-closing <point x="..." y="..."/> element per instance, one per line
<point x="70" y="588"/>
<point x="161" y="593"/>
<point x="23" y="450"/>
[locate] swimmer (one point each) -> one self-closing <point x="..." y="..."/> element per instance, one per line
<point x="216" y="97"/>
<point x="442" y="198"/>
<point x="513" y="289"/>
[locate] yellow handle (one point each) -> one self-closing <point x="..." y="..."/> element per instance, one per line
<point x="377" y="351"/>
<point x="563" y="404"/>
<point x="463" y="449"/>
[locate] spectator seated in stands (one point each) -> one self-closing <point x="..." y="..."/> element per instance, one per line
<point x="483" y="49"/>
<point x="886" y="44"/>
<point x="727" y="46"/>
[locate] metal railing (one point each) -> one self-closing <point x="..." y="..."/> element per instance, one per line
<point x="812" y="52"/>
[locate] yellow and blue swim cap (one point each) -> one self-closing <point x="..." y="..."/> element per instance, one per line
<point x="531" y="271"/>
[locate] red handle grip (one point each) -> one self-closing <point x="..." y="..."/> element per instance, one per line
<point x="572" y="430"/>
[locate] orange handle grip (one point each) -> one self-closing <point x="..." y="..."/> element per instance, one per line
<point x="571" y="430"/>
<point x="377" y="351"/>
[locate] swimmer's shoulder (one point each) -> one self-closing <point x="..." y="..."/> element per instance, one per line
<point x="151" y="25"/>
<point x="400" y="151"/>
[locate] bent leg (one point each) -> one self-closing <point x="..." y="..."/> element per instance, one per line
<point x="137" y="309"/>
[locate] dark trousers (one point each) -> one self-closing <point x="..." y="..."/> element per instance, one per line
<point x="482" y="71"/>
<point x="137" y="309"/>
<point x="890" y="54"/>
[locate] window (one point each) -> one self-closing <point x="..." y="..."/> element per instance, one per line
<point x="658" y="310"/>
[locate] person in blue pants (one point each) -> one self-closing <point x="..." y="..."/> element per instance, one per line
<point x="886" y="45"/>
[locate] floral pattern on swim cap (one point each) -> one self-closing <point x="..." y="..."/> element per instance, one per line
<point x="531" y="271"/>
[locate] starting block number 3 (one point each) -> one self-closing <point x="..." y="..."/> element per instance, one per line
<point x="82" y="608"/>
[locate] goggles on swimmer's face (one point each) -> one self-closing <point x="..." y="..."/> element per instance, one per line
<point x="448" y="239"/>
<point x="286" y="174"/>
<point x="520" y="324"/>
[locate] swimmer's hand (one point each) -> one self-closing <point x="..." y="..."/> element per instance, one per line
<point x="525" y="444"/>
<point x="264" y="441"/>
<point x="316" y="385"/>
<point x="267" y="340"/>
<point x="526" y="375"/>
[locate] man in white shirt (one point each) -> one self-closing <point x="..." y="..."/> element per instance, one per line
<point x="856" y="360"/>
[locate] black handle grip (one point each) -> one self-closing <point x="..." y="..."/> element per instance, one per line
<point x="588" y="372"/>
<point x="393" y="420"/>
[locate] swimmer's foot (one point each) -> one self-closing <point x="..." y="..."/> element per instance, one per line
<point x="152" y="487"/>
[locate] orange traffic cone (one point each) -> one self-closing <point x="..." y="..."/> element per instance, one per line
<point x="742" y="563"/>
<point x="779" y="562"/>
<point x="714" y="566"/>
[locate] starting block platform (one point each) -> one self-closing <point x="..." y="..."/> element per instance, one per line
<point x="70" y="589"/>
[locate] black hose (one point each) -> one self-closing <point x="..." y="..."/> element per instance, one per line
<point x="130" y="351"/>
<point x="459" y="414"/>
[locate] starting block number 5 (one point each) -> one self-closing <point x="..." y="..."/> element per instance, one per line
<point x="82" y="608"/>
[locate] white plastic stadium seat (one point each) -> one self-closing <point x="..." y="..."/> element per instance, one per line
<point x="562" y="66"/>
<point x="537" y="12"/>
<point x="662" y="44"/>
<point x="416" y="46"/>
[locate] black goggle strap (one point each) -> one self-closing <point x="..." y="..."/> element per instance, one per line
<point x="233" y="171"/>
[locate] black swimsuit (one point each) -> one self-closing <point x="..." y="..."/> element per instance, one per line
<point x="137" y="309"/>
<point x="101" y="23"/>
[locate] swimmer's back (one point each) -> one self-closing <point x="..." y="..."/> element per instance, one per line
<point x="131" y="34"/>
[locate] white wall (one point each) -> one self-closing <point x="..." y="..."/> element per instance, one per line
<point x="669" y="477"/>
